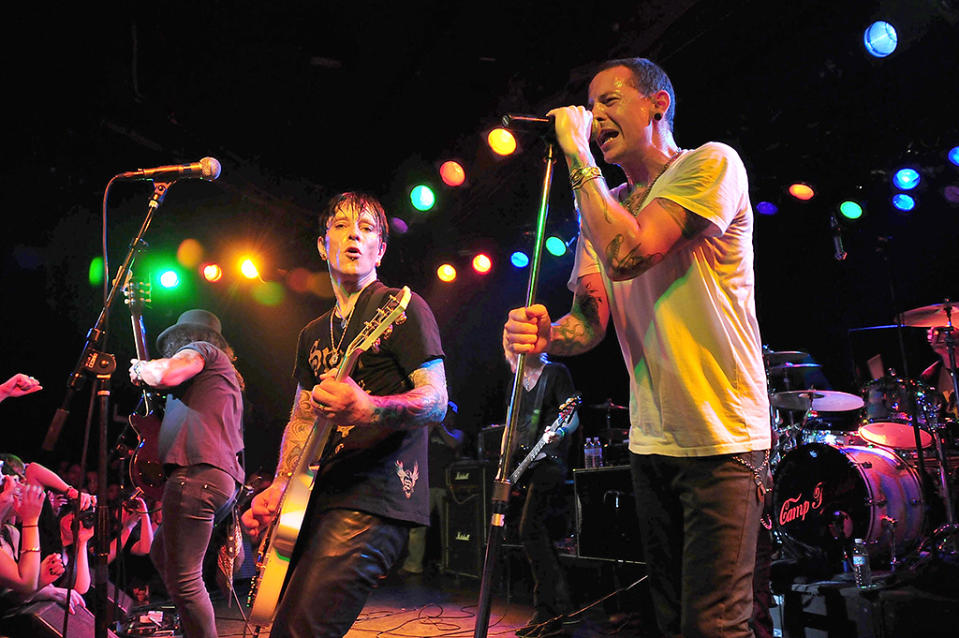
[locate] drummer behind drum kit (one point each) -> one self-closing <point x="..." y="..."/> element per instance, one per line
<point x="848" y="466"/>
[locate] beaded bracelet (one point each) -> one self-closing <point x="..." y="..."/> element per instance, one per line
<point x="582" y="175"/>
<point x="24" y="550"/>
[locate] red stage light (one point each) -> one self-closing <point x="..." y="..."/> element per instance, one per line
<point x="482" y="263"/>
<point x="452" y="173"/>
<point x="800" y="191"/>
<point x="212" y="272"/>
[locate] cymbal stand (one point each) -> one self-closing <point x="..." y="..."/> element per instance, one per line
<point x="945" y="539"/>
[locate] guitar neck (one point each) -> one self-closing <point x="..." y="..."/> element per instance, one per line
<point x="143" y="354"/>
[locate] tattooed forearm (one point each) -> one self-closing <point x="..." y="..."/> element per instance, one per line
<point x="295" y="434"/>
<point x="631" y="263"/>
<point x="424" y="405"/>
<point x="583" y="327"/>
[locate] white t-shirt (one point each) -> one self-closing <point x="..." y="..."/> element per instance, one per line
<point x="687" y="326"/>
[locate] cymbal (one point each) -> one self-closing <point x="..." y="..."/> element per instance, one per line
<point x="607" y="405"/>
<point x="819" y="400"/>
<point x="934" y="316"/>
<point x="798" y="367"/>
<point x="784" y="356"/>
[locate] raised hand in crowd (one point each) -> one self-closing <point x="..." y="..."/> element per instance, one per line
<point x="19" y="385"/>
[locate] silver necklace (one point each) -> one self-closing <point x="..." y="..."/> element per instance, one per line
<point x="335" y="357"/>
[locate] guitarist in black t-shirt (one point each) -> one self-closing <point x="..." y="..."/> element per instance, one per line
<point x="371" y="482"/>
<point x="546" y="386"/>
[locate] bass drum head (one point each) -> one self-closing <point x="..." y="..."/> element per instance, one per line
<point x="824" y="494"/>
<point x="813" y="486"/>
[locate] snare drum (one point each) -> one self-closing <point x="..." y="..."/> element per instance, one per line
<point x="824" y="494"/>
<point x="891" y="404"/>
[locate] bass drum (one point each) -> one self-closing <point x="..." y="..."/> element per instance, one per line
<point x="823" y="494"/>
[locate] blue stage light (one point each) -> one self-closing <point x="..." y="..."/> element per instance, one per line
<point x="903" y="202"/>
<point x="906" y="179"/>
<point x="880" y="39"/>
<point x="767" y="208"/>
<point x="519" y="259"/>
<point x="954" y="155"/>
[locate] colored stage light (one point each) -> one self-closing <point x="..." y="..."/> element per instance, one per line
<point x="249" y="269"/>
<point x="850" y="210"/>
<point x="169" y="279"/>
<point x="398" y="226"/>
<point x="452" y="173"/>
<point x="269" y="293"/>
<point x="555" y="246"/>
<point x="767" y="208"/>
<point x="906" y="179"/>
<point x="880" y="39"/>
<point x="953" y="155"/>
<point x="96" y="271"/>
<point x="482" y="263"/>
<point x="800" y="191"/>
<point x="189" y="253"/>
<point x="446" y="273"/>
<point x="501" y="141"/>
<point x="903" y="202"/>
<point x="422" y="197"/>
<point x="519" y="259"/>
<point x="212" y="272"/>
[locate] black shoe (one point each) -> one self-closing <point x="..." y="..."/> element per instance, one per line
<point x="541" y="624"/>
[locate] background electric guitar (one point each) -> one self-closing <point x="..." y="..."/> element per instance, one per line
<point x="146" y="471"/>
<point x="566" y="412"/>
<point x="276" y="550"/>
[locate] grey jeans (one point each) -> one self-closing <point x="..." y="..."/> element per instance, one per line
<point x="699" y="521"/>
<point x="193" y="498"/>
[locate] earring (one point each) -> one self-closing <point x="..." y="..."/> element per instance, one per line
<point x="658" y="116"/>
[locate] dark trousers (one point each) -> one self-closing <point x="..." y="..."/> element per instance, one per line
<point x="346" y="555"/>
<point x="194" y="497"/>
<point x="699" y="521"/>
<point x="550" y="592"/>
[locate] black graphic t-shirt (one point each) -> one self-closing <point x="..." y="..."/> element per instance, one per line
<point x="374" y="469"/>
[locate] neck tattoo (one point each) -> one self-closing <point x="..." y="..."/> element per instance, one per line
<point x="636" y="197"/>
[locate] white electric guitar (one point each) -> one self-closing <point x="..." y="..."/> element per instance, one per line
<point x="276" y="550"/>
<point x="566" y="412"/>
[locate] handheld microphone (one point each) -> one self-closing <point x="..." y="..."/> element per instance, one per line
<point x="530" y="123"/>
<point x="838" y="253"/>
<point x="207" y="168"/>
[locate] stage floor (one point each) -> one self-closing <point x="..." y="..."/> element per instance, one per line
<point x="445" y="605"/>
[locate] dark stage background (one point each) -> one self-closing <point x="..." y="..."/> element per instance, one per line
<point x="299" y="100"/>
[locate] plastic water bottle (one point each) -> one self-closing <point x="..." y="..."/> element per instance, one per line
<point x="860" y="564"/>
<point x="597" y="453"/>
<point x="588" y="458"/>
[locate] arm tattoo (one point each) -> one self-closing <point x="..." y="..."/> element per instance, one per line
<point x="628" y="264"/>
<point x="295" y="434"/>
<point x="690" y="224"/>
<point x="580" y="329"/>
<point x="424" y="405"/>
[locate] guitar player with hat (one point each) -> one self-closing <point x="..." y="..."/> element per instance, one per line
<point x="199" y="440"/>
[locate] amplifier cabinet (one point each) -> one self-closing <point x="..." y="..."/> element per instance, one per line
<point x="606" y="523"/>
<point x="467" y="508"/>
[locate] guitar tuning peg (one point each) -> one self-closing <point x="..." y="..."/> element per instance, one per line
<point x="401" y="319"/>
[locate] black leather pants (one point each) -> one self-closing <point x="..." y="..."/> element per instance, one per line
<point x="347" y="554"/>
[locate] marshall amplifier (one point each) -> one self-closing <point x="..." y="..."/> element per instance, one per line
<point x="606" y="514"/>
<point x="469" y="485"/>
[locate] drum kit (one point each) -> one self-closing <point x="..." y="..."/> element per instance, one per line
<point x="879" y="465"/>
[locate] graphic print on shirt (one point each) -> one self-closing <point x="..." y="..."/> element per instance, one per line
<point x="409" y="478"/>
